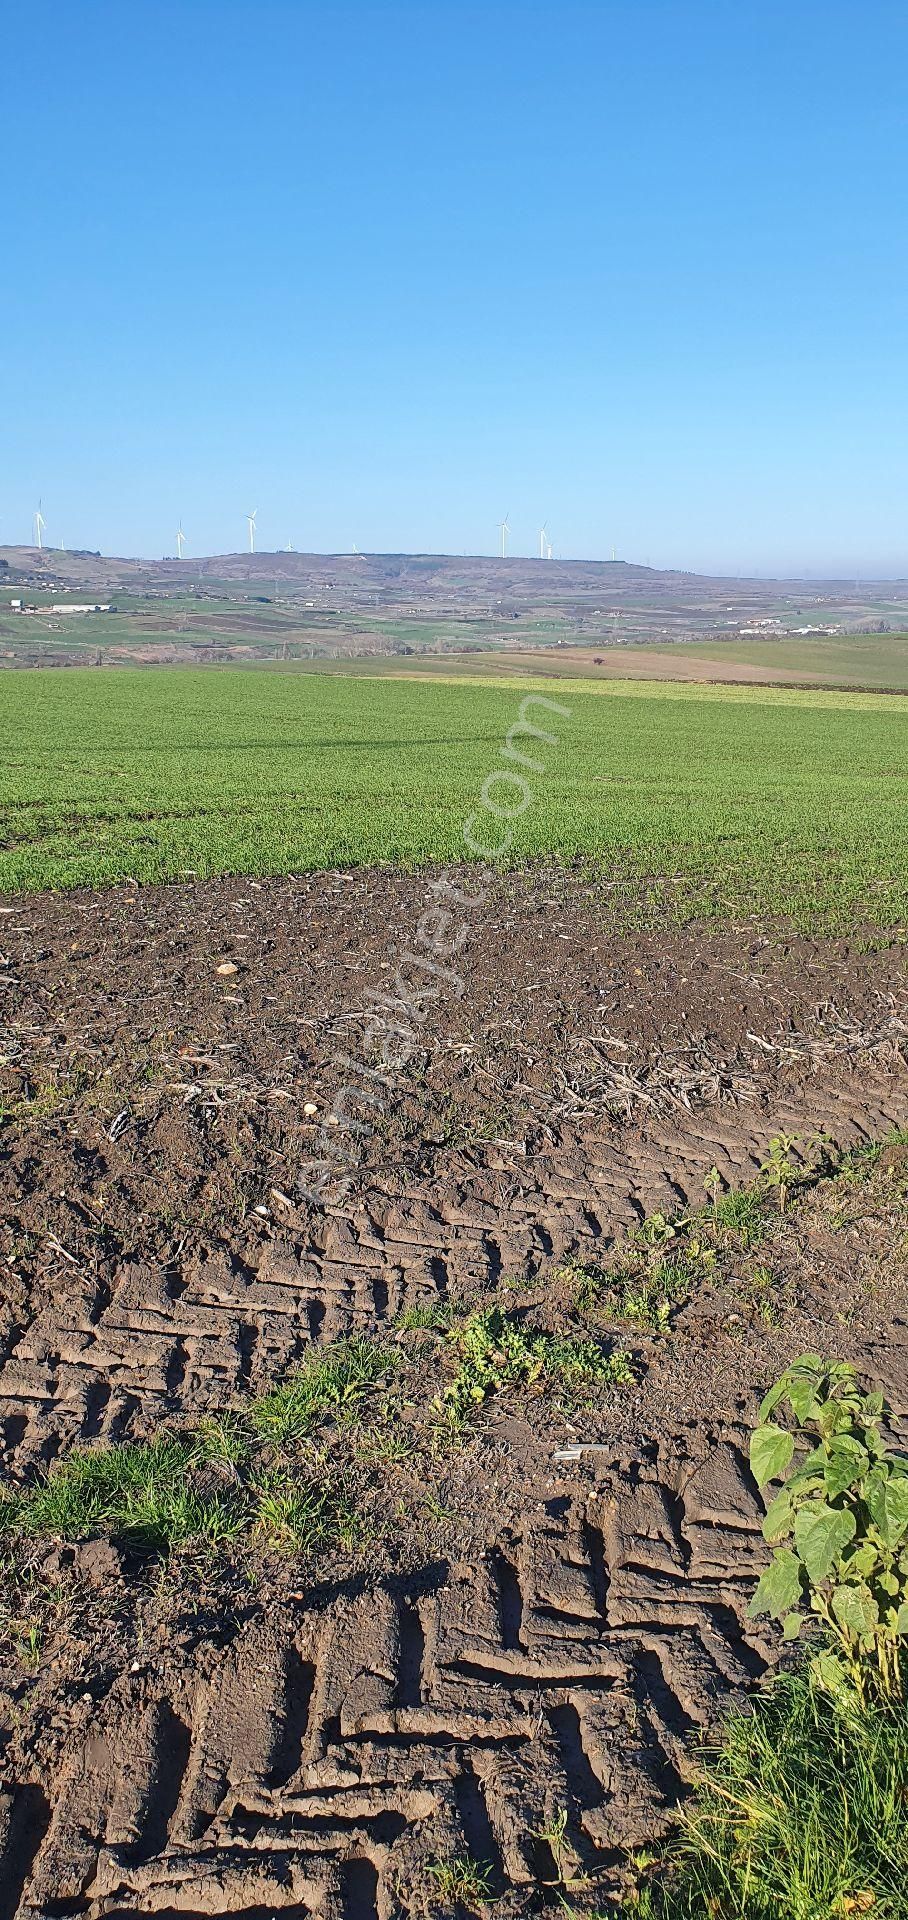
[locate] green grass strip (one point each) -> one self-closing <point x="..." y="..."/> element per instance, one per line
<point x="234" y="1475"/>
<point x="800" y="1813"/>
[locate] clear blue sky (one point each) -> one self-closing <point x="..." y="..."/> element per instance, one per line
<point x="387" y="273"/>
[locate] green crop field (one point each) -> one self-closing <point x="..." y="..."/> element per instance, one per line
<point x="779" y="799"/>
<point x="857" y="660"/>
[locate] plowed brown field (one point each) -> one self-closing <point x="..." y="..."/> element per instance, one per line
<point x="547" y="1633"/>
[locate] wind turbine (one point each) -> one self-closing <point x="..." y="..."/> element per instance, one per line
<point x="542" y="540"/>
<point x="503" y="531"/>
<point x="181" y="540"/>
<point x="40" y="524"/>
<point x="548" y="549"/>
<point x="251" y="521"/>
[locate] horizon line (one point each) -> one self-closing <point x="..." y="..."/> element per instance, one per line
<point x="495" y="559"/>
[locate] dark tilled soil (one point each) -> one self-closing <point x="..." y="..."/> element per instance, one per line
<point x="521" y="1635"/>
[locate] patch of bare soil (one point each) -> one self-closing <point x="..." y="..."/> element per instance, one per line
<point x="506" y="1665"/>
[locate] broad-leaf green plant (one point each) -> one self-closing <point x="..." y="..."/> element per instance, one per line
<point x="780" y="1169"/>
<point x="839" y="1525"/>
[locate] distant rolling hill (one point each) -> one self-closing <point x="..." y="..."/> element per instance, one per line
<point x="346" y="607"/>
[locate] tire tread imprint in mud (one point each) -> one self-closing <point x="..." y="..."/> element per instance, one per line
<point x="403" y="1726"/>
<point x="164" y="1344"/>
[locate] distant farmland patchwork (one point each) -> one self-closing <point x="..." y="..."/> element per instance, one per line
<point x="598" y="618"/>
<point x="180" y="630"/>
<point x="780" y="799"/>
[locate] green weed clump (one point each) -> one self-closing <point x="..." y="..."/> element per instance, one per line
<point x="758" y="1293"/>
<point x="859" y="1163"/>
<point x="432" y="1316"/>
<point x="793" y="1163"/>
<point x="741" y="1212"/>
<point x="656" y="1273"/>
<point x="799" y="1814"/>
<point x="800" y="1809"/>
<point x="579" y="1361"/>
<point x="497" y="1351"/>
<point x="667" y="1257"/>
<point x="306" y="1515"/>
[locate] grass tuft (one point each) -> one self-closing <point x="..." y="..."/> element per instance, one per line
<point x="165" y="1495"/>
<point x="146" y="1495"/>
<point x="741" y="1211"/>
<point x="333" y="1381"/>
<point x="304" y="1516"/>
<point x="434" y="1316"/>
<point x="232" y="1476"/>
<point x="799" y="1813"/>
<point x="464" y="1881"/>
